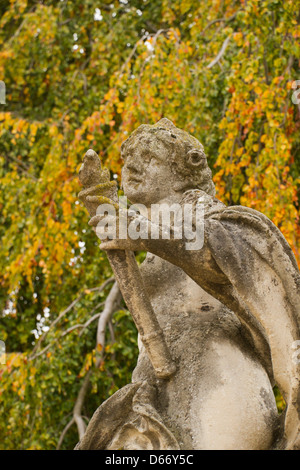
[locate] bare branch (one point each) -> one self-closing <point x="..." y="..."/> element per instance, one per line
<point x="266" y="68"/>
<point x="94" y="317"/>
<point x="219" y="20"/>
<point x="140" y="41"/>
<point x="131" y="54"/>
<point x="40" y="353"/>
<point x="64" y="432"/>
<point x="111" y="331"/>
<point x="83" y="325"/>
<point x="221" y="53"/>
<point x="103" y="286"/>
<point x="111" y="304"/>
<point x="66" y="310"/>
<point x="57" y="319"/>
<point x="22" y="167"/>
<point x="81" y="426"/>
<point x="290" y="63"/>
<point x="69" y="330"/>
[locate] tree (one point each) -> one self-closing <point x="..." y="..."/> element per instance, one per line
<point x="85" y="74"/>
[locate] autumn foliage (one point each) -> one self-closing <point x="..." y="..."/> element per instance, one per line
<point x="85" y="74"/>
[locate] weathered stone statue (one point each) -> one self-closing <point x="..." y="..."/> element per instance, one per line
<point x="228" y="313"/>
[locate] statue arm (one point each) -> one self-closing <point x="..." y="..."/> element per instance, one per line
<point x="246" y="265"/>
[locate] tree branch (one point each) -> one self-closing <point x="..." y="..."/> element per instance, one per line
<point x="81" y="426"/>
<point x="22" y="167"/>
<point x="83" y="325"/>
<point x="112" y="302"/>
<point x="66" y="310"/>
<point x="221" y="53"/>
<point x="219" y="20"/>
<point x="64" y="432"/>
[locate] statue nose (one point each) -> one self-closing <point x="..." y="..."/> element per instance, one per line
<point x="133" y="164"/>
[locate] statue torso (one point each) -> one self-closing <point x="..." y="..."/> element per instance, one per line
<point x="219" y="379"/>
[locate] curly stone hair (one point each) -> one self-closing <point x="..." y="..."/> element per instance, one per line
<point x="186" y="155"/>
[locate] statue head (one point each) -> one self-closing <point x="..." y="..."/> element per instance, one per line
<point x="178" y="151"/>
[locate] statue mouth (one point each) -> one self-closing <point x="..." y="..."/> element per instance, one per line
<point x="135" y="180"/>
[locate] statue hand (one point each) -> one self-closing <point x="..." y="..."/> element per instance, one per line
<point x="95" y="194"/>
<point x="120" y="244"/>
<point x="110" y="236"/>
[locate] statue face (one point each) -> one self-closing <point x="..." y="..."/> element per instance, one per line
<point x="147" y="177"/>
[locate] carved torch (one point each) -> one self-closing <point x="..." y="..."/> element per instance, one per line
<point x="95" y="180"/>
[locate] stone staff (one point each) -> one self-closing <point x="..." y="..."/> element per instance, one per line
<point x="95" y="180"/>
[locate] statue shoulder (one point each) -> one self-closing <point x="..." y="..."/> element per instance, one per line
<point x="197" y="197"/>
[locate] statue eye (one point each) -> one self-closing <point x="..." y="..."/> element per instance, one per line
<point x="196" y="158"/>
<point x="147" y="156"/>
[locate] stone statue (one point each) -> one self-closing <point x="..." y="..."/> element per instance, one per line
<point x="228" y="312"/>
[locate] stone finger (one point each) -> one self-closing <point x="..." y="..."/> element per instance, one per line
<point x="109" y="219"/>
<point x="102" y="200"/>
<point x="95" y="220"/>
<point x="99" y="188"/>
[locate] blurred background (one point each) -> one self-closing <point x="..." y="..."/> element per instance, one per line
<point x="84" y="74"/>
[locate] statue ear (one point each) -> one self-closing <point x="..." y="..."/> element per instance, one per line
<point x="195" y="158"/>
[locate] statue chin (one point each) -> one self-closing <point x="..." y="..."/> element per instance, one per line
<point x="133" y="194"/>
<point x="136" y="195"/>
